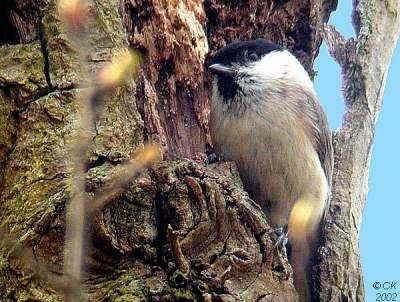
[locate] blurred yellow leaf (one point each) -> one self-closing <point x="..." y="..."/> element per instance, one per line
<point x="121" y="66"/>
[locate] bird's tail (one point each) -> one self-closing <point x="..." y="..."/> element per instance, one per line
<point x="301" y="263"/>
<point x="303" y="232"/>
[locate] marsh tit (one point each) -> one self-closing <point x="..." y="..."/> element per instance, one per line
<point x="265" y="116"/>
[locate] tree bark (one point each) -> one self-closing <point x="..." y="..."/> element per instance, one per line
<point x="364" y="63"/>
<point x="183" y="230"/>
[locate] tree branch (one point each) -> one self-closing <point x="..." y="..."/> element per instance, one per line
<point x="364" y="64"/>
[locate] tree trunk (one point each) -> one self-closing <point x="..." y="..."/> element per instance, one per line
<point x="183" y="230"/>
<point x="364" y="63"/>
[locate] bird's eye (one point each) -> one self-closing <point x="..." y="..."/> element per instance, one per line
<point x="252" y="56"/>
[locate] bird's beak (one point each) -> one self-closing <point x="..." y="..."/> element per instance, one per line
<point x="222" y="70"/>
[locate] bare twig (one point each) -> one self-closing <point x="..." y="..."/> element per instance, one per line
<point x="144" y="158"/>
<point x="74" y="14"/>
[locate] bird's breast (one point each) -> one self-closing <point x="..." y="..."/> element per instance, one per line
<point x="275" y="157"/>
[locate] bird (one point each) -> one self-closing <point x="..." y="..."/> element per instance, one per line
<point x="266" y="117"/>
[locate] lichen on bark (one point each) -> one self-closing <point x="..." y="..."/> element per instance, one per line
<point x="39" y="85"/>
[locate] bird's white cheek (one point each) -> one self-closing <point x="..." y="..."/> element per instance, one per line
<point x="279" y="66"/>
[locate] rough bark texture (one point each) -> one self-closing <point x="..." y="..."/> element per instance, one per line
<point x="219" y="233"/>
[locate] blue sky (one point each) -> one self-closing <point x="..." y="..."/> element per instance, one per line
<point x="379" y="239"/>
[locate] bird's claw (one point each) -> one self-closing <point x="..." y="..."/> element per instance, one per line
<point x="282" y="238"/>
<point x="213" y="158"/>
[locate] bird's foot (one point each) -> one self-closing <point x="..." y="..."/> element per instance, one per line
<point x="282" y="238"/>
<point x="213" y="158"/>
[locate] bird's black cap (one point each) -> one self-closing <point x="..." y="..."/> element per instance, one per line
<point x="237" y="53"/>
<point x="242" y="52"/>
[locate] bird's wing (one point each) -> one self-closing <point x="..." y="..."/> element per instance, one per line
<point x="322" y="139"/>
